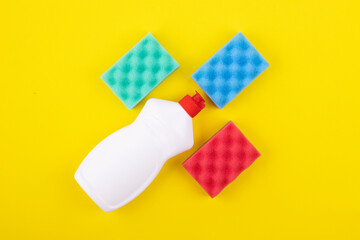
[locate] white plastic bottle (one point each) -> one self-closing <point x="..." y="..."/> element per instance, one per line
<point x="121" y="166"/>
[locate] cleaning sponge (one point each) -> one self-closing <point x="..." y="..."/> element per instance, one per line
<point x="139" y="71"/>
<point x="221" y="159"/>
<point x="230" y="70"/>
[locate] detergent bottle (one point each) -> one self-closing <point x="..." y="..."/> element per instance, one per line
<point x="121" y="166"/>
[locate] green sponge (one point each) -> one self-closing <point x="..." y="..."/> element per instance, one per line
<point x="139" y="71"/>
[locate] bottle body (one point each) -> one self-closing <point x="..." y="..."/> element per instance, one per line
<point x="121" y="166"/>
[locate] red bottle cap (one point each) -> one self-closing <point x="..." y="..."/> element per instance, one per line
<point x="192" y="105"/>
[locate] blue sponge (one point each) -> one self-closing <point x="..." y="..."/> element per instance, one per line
<point x="230" y="70"/>
<point x="139" y="71"/>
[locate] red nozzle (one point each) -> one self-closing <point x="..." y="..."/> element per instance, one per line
<point x="192" y="105"/>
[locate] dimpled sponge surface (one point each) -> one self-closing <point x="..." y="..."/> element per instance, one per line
<point x="230" y="70"/>
<point x="221" y="159"/>
<point x="139" y="71"/>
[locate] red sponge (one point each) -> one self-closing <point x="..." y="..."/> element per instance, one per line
<point x="221" y="159"/>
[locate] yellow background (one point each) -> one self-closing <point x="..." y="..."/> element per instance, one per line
<point x="302" y="114"/>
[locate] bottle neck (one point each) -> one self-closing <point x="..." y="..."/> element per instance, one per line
<point x="169" y="126"/>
